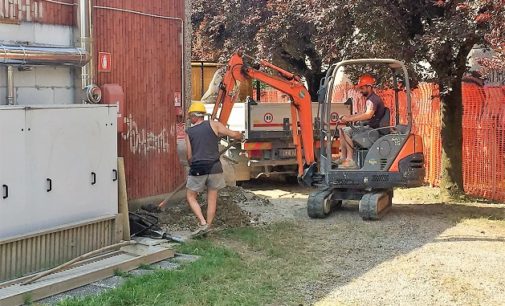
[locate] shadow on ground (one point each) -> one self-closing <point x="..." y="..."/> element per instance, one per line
<point x="352" y="247"/>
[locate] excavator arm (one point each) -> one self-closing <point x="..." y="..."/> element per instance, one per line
<point x="286" y="82"/>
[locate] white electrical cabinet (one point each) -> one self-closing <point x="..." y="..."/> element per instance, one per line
<point x="58" y="165"/>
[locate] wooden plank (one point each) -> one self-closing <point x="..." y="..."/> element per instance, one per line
<point x="77" y="264"/>
<point x="123" y="198"/>
<point x="15" y="295"/>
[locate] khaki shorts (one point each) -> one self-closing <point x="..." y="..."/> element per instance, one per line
<point x="350" y="132"/>
<point x="211" y="181"/>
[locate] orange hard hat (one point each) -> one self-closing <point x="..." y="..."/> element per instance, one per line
<point x="366" y="80"/>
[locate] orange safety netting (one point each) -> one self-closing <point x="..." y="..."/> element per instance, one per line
<point x="483" y="131"/>
<point x="484" y="141"/>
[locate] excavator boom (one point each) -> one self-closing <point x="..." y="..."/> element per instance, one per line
<point x="286" y="82"/>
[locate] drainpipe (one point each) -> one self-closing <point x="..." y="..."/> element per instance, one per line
<point x="11" y="93"/>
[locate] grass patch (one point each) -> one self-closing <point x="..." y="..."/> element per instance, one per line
<point x="258" y="269"/>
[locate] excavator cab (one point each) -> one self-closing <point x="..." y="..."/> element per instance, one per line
<point x="387" y="157"/>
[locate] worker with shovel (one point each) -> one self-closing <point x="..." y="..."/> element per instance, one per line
<point x="205" y="170"/>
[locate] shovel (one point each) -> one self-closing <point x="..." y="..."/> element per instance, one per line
<point x="158" y="208"/>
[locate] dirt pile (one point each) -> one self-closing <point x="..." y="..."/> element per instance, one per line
<point x="179" y="217"/>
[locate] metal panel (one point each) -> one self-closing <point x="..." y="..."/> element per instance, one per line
<point x="34" y="253"/>
<point x="47" y="158"/>
<point x="149" y="71"/>
<point x="61" y="157"/>
<point x="12" y="168"/>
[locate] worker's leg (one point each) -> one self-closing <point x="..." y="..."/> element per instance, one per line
<point x="343" y="147"/>
<point x="194" y="185"/>
<point x="195" y="207"/>
<point x="347" y="143"/>
<point x="349" y="148"/>
<point x="214" y="183"/>
<point x="211" y="205"/>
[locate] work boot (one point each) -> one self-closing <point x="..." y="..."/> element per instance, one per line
<point x="201" y="230"/>
<point x="340" y="161"/>
<point x="348" y="164"/>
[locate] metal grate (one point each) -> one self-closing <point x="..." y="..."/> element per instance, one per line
<point x="33" y="253"/>
<point x="383" y="163"/>
<point x="380" y="178"/>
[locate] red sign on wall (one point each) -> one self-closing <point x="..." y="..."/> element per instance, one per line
<point x="104" y="62"/>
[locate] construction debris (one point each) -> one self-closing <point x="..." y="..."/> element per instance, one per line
<point x="179" y="217"/>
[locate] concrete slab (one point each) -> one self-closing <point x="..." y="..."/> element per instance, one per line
<point x="185" y="258"/>
<point x="141" y="272"/>
<point x="53" y="77"/>
<point x="30" y="96"/>
<point x="166" y="265"/>
<point x="76" y="293"/>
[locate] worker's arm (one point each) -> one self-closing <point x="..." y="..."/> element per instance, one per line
<point x="189" y="154"/>
<point x="367" y="115"/>
<point x="223" y="131"/>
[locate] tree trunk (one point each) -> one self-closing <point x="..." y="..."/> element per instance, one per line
<point x="452" y="141"/>
<point x="313" y="81"/>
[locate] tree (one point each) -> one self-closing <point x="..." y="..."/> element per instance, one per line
<point x="434" y="37"/>
<point x="289" y="33"/>
<point x="495" y="39"/>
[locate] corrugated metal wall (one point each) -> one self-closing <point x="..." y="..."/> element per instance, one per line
<point x="146" y="62"/>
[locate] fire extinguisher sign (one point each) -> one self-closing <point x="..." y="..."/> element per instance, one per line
<point x="104" y="62"/>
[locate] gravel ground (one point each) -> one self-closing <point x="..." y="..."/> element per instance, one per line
<point x="423" y="252"/>
<point x="178" y="216"/>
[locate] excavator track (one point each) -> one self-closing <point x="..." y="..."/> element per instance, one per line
<point x="374" y="205"/>
<point x="320" y="203"/>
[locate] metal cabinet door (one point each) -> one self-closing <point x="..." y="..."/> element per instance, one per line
<point x="64" y="147"/>
<point x="13" y="206"/>
<point x="104" y="157"/>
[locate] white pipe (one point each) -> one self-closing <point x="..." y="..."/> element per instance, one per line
<point x="183" y="74"/>
<point x="85" y="26"/>
<point x="61" y="3"/>
<point x="42" y="55"/>
<point x="11" y="92"/>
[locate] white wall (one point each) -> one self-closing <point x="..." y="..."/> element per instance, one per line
<point x="496" y="78"/>
<point x="39" y="85"/>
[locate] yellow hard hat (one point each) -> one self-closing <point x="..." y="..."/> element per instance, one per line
<point x="197" y="107"/>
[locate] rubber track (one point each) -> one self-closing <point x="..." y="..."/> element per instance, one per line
<point x="315" y="203"/>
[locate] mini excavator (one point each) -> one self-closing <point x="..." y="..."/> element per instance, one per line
<point x="387" y="157"/>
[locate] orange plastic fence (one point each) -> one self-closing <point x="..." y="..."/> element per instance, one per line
<point x="483" y="131"/>
<point x="484" y="141"/>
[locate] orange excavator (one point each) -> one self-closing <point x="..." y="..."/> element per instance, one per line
<point x="387" y="157"/>
<point x="301" y="107"/>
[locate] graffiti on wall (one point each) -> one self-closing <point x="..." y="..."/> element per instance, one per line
<point x="142" y="141"/>
<point x="21" y="10"/>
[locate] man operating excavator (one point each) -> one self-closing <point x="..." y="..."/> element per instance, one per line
<point x="372" y="116"/>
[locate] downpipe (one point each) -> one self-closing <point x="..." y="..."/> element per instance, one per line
<point x="11" y="93"/>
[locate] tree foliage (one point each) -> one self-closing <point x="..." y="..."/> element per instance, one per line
<point x="433" y="37"/>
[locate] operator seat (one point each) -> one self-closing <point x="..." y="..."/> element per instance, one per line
<point x="366" y="139"/>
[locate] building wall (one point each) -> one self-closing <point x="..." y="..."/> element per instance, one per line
<point x="146" y="61"/>
<point x="38" y="85"/>
<point x="495" y="77"/>
<point x="147" y="58"/>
